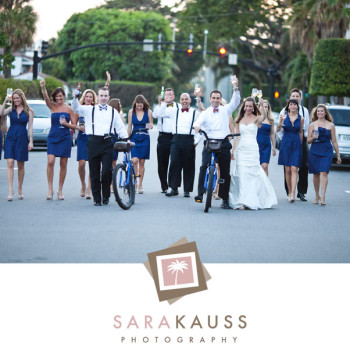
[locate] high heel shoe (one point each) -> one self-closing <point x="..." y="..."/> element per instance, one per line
<point x="20" y="196"/>
<point x="323" y="204"/>
<point x="316" y="201"/>
<point x="82" y="193"/>
<point x="49" y="197"/>
<point x="9" y="198"/>
<point x="292" y="199"/>
<point x="60" y="197"/>
<point x="140" y="190"/>
<point x="88" y="196"/>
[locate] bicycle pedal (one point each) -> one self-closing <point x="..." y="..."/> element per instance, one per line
<point x="221" y="181"/>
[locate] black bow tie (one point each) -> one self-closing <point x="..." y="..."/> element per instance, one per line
<point x="102" y="107"/>
<point x="184" y="109"/>
<point x="170" y="105"/>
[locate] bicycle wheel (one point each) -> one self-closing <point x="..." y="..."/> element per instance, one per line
<point x="209" y="189"/>
<point x="124" y="188"/>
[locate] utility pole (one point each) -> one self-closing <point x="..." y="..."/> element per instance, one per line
<point x="205" y="44"/>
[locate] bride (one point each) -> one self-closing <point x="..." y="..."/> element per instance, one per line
<point x="250" y="187"/>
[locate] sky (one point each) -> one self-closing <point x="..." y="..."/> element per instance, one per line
<point x="54" y="14"/>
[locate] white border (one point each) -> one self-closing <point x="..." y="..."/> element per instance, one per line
<point x="160" y="258"/>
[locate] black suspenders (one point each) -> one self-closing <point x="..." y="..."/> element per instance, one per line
<point x="93" y="121"/>
<point x="177" y="117"/>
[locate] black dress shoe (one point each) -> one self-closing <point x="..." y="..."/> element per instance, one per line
<point x="97" y="203"/>
<point x="302" y="197"/>
<point x="199" y="198"/>
<point x="172" y="193"/>
<point x="105" y="201"/>
<point x="225" y="205"/>
<point x="163" y="191"/>
<point x="187" y="194"/>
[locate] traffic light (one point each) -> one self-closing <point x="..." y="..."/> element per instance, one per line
<point x="222" y="52"/>
<point x="277" y="94"/>
<point x="44" y="47"/>
<point x="189" y="52"/>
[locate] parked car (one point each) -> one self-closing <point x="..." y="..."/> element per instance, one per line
<point x="341" y="120"/>
<point x="41" y="123"/>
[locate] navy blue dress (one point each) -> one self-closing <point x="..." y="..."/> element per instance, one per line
<point x="142" y="142"/>
<point x="263" y="138"/>
<point x="82" y="140"/>
<point x="16" y="143"/>
<point x="59" y="140"/>
<point x="291" y="152"/>
<point x="321" y="153"/>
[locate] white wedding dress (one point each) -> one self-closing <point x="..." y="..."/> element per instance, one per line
<point x="250" y="187"/>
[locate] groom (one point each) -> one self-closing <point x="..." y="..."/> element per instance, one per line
<point x="216" y="120"/>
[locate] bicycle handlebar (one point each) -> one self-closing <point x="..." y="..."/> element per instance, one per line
<point x="226" y="137"/>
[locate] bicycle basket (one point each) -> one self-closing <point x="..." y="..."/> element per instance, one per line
<point x="122" y="146"/>
<point x="214" y="145"/>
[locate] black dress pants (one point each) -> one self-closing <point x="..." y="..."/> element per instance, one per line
<point x="303" y="171"/>
<point x="100" y="156"/>
<point x="224" y="161"/>
<point x="183" y="156"/>
<point x="163" y="155"/>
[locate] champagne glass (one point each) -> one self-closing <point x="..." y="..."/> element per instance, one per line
<point x="233" y="79"/>
<point x="316" y="133"/>
<point x="9" y="94"/>
<point x="259" y="93"/>
<point x="197" y="88"/>
<point x="254" y="92"/>
<point x="62" y="119"/>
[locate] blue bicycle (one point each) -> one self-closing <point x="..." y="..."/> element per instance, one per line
<point x="124" y="177"/>
<point x="214" y="146"/>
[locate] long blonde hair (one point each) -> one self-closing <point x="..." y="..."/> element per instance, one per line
<point x="94" y="100"/>
<point x="21" y="94"/>
<point x="314" y="113"/>
<point x="269" y="114"/>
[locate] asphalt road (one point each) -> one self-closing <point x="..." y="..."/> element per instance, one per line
<point x="74" y="231"/>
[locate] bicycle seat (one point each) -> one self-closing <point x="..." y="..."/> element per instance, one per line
<point x="122" y="146"/>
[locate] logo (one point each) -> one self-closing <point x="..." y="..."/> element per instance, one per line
<point x="177" y="271"/>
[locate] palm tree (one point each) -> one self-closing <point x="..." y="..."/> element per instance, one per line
<point x="312" y="20"/>
<point x="176" y="267"/>
<point x="17" y="23"/>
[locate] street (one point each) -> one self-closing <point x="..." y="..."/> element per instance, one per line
<point x="35" y="230"/>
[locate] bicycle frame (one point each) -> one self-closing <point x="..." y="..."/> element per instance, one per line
<point x="213" y="162"/>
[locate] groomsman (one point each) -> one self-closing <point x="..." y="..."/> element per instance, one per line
<point x="216" y="121"/>
<point x="295" y="94"/>
<point x="182" y="153"/>
<point x="100" y="120"/>
<point x="165" y="112"/>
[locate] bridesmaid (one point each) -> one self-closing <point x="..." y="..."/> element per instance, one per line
<point x="290" y="154"/>
<point x="266" y="137"/>
<point x="321" y="135"/>
<point x="16" y="145"/>
<point x="138" y="117"/>
<point x="59" y="140"/>
<point x="88" y="98"/>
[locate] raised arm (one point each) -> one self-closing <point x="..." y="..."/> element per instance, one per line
<point x="108" y="79"/>
<point x="235" y="99"/>
<point x="3" y="111"/>
<point x="159" y="111"/>
<point x="48" y="102"/>
<point x="30" y="129"/>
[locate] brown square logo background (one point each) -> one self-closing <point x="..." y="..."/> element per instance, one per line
<point x="178" y="249"/>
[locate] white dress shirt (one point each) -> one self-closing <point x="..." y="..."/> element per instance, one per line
<point x="102" y="120"/>
<point x="166" y="116"/>
<point x="183" y="123"/>
<point x="306" y="117"/>
<point x="217" y="124"/>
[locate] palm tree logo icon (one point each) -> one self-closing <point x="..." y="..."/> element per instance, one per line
<point x="177" y="266"/>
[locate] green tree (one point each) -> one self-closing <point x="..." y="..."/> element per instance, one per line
<point x="312" y="20"/>
<point x="17" y="27"/>
<point x="137" y="5"/>
<point x="125" y="62"/>
<point x="330" y="74"/>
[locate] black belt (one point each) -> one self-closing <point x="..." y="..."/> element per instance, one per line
<point x="184" y="136"/>
<point x="165" y="133"/>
